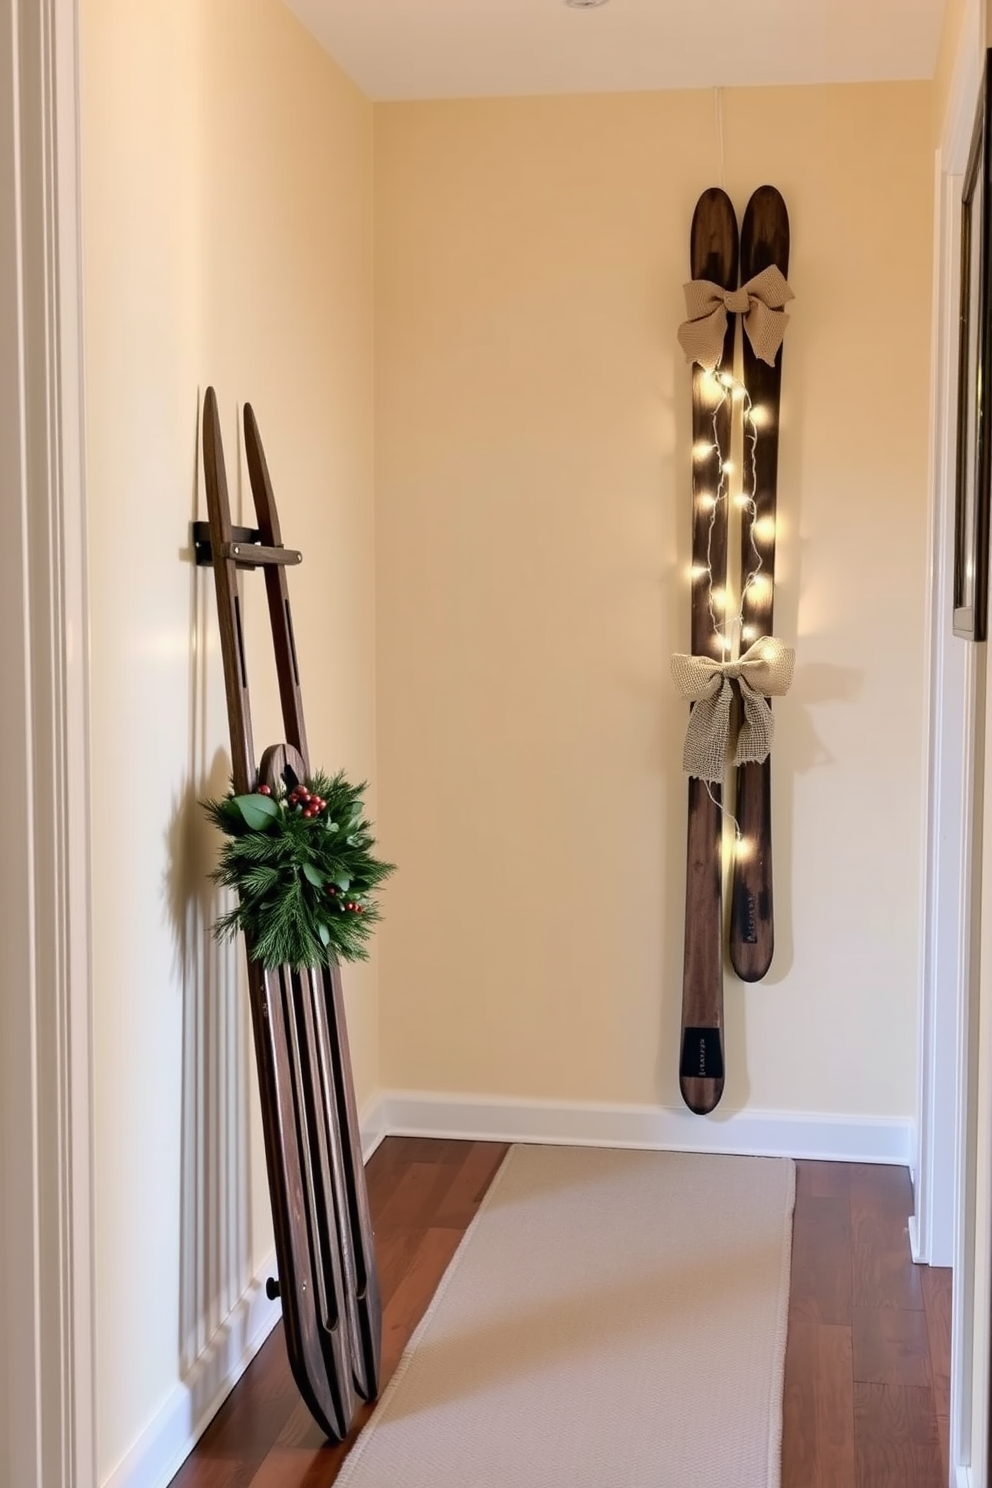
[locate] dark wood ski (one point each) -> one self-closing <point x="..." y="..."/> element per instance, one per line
<point x="323" y="1235"/>
<point x="713" y="251"/>
<point x="764" y="241"/>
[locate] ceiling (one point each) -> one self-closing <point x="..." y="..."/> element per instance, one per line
<point x="397" y="49"/>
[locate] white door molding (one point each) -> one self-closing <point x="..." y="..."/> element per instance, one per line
<point x="950" y="722"/>
<point x="46" y="1334"/>
<point x="947" y="1222"/>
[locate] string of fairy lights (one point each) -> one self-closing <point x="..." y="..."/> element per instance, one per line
<point x="730" y="631"/>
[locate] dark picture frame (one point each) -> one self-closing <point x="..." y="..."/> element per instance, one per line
<point x="972" y="479"/>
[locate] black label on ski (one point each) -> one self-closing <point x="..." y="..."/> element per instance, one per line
<point x="702" y="1054"/>
<point x="745" y="914"/>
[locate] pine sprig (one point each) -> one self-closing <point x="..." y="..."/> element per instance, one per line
<point x="301" y="862"/>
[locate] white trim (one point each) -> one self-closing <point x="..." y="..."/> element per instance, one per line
<point x="950" y="780"/>
<point x="943" y="1227"/>
<point x="370" y="1126"/>
<point x="191" y="1405"/>
<point x="76" y="1158"/>
<point x="950" y="722"/>
<point x="45" y="1287"/>
<point x="419" y="1113"/>
<point x="959" y="120"/>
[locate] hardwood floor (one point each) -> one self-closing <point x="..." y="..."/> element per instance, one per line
<point x="867" y="1374"/>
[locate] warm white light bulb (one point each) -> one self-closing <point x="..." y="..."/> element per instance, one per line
<point x="718" y="599"/>
<point x="698" y="571"/>
<point x="706" y="501"/>
<point x="711" y="390"/>
<point x="743" y="849"/>
<point x="764" y="529"/>
<point x="702" y="449"/>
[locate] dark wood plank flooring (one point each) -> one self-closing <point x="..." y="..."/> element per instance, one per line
<point x="867" y="1374"/>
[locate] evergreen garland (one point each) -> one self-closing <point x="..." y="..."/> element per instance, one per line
<point x="302" y="865"/>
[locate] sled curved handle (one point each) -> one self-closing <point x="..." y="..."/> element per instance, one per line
<point x="225" y="568"/>
<point x="276" y="590"/>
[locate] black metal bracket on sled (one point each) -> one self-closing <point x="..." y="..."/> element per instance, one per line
<point x="245" y="547"/>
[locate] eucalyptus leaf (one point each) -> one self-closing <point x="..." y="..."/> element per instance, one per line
<point x="314" y="876"/>
<point x="343" y="882"/>
<point x="258" y="811"/>
<point x="324" y="933"/>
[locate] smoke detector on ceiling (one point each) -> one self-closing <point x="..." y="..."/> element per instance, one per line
<point x="583" y="4"/>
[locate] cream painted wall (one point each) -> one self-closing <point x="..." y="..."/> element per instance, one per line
<point x="227" y="238"/>
<point x="532" y="457"/>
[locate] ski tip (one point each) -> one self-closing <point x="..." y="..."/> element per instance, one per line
<point x="701" y="1096"/>
<point x="714" y="240"/>
<point x="751" y="963"/>
<point x="766" y="196"/>
<point x="713" y="202"/>
<point x="764" y="233"/>
<point x="765" y="214"/>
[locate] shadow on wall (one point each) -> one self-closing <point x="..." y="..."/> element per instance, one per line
<point x="215" y="1257"/>
<point x="215" y="1174"/>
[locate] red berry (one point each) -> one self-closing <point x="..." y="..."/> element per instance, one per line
<point x="263" y="790"/>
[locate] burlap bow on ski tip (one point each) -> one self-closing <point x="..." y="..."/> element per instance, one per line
<point x="760" y="302"/>
<point x="764" y="671"/>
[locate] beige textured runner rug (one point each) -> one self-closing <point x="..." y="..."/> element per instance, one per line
<point x="612" y="1319"/>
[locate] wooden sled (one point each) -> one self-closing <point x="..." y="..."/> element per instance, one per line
<point x="323" y="1231"/>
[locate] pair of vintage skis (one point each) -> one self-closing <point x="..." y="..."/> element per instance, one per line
<point x="716" y="254"/>
<point x="323" y="1232"/>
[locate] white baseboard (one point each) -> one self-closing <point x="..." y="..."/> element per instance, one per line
<point x="417" y="1113"/>
<point x="191" y="1405"/>
<point x="370" y="1125"/>
<point x="915" y="1248"/>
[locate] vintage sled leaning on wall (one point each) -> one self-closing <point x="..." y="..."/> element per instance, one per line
<point x="323" y="1232"/>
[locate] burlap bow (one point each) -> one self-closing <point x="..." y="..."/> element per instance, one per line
<point x="760" y="302"/>
<point x="764" y="671"/>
